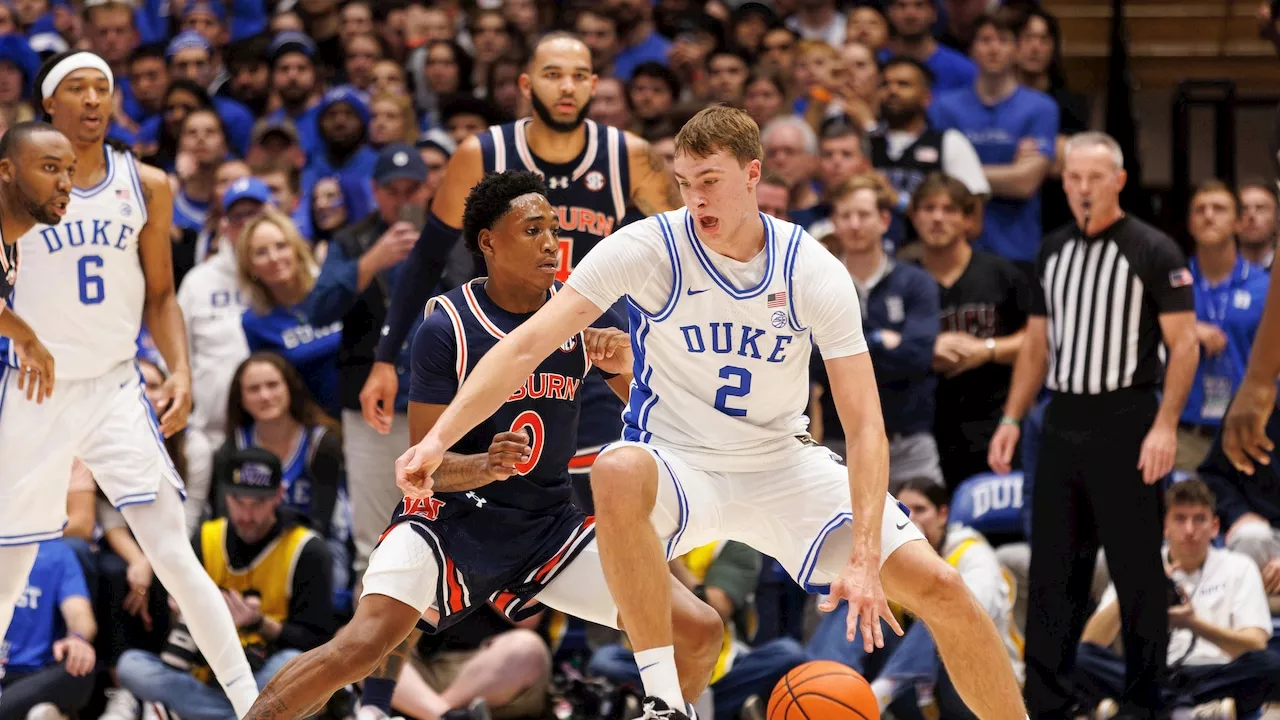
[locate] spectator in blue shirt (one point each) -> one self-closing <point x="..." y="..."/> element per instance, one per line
<point x="48" y="655"/>
<point x="900" y="310"/>
<point x="148" y="79"/>
<point x="342" y="119"/>
<point x="912" y="22"/>
<point x="641" y="40"/>
<point x="1014" y="129"/>
<point x="294" y="80"/>
<point x="278" y="272"/>
<point x="1230" y="293"/>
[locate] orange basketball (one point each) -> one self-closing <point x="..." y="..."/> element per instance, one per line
<point x="823" y="689"/>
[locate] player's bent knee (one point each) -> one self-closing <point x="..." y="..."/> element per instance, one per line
<point x="925" y="583"/>
<point x="700" y="626"/>
<point x="625" y="479"/>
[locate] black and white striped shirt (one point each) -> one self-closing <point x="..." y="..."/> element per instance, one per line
<point x="1102" y="297"/>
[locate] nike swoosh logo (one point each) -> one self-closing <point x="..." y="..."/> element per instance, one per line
<point x="646" y="667"/>
<point x="691" y="291"/>
<point x="904" y="524"/>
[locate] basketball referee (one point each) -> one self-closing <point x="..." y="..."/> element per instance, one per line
<point x="1109" y="286"/>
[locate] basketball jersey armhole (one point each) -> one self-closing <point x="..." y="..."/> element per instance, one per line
<point x="789" y="269"/>
<point x="135" y="178"/>
<point x="459" y="333"/>
<point x="673" y="258"/>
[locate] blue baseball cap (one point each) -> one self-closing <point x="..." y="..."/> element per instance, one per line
<point x="185" y="41"/>
<point x="250" y="188"/>
<point x="399" y="161"/>
<point x="291" y="41"/>
<point x="345" y="94"/>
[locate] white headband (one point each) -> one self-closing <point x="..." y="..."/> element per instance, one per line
<point x="72" y="63"/>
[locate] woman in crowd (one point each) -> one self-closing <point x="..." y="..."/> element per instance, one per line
<point x="269" y="407"/>
<point x="277" y="272"/>
<point x="392" y="119"/>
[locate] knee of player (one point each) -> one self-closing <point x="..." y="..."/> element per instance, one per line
<point x="700" y="624"/>
<point x="940" y="586"/>
<point x="626" y="478"/>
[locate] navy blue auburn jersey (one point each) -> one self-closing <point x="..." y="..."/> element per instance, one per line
<point x="461" y="326"/>
<point x="589" y="193"/>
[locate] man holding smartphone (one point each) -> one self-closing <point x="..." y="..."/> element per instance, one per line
<point x="354" y="286"/>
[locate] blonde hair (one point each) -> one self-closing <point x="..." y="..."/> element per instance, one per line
<point x="407" y="117"/>
<point x="721" y="128"/>
<point x="260" y="298"/>
<point x="886" y="197"/>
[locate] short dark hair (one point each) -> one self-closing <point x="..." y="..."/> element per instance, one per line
<point x="658" y="71"/>
<point x="249" y="52"/>
<point x="1214" y="185"/>
<point x="17" y="136"/>
<point x="1004" y="20"/>
<point x="1257" y="183"/>
<point x="147" y="52"/>
<point x="898" y="60"/>
<point x="1192" y="491"/>
<point x="731" y="52"/>
<point x="491" y="198"/>
<point x="933" y="491"/>
<point x="937" y="183"/>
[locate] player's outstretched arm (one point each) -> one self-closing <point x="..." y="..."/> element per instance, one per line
<point x="494" y="378"/>
<point x="460" y="473"/>
<point x="160" y="311"/>
<point x="1244" y="430"/>
<point x="418" y="279"/>
<point x="653" y="189"/>
<point x="853" y="388"/>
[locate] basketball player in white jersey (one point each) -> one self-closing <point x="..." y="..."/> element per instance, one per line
<point x="36" y="163"/>
<point x="724" y="304"/>
<point x="85" y="287"/>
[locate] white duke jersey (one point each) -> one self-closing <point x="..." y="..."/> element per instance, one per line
<point x="722" y="347"/>
<point x="81" y="287"/>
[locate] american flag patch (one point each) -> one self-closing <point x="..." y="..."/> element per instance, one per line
<point x="776" y="300"/>
<point x="122" y="193"/>
<point x="1180" y="278"/>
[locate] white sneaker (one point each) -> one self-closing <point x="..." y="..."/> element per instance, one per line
<point x="1224" y="709"/>
<point x="121" y="705"/>
<point x="371" y="712"/>
<point x="45" y="711"/>
<point x="1106" y="710"/>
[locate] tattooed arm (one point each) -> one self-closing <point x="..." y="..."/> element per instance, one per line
<point x="460" y="473"/>
<point x="653" y="190"/>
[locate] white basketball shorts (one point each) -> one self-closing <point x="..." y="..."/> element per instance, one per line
<point x="799" y="514"/>
<point x="106" y="421"/>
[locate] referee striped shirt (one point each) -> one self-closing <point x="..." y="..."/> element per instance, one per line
<point x="1102" y="297"/>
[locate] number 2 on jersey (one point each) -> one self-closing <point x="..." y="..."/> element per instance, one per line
<point x="740" y="388"/>
<point x="530" y="422"/>
<point x="91" y="290"/>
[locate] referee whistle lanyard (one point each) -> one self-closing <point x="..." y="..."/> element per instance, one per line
<point x="1219" y="372"/>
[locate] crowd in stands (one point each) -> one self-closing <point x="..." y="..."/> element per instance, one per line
<point x="921" y="141"/>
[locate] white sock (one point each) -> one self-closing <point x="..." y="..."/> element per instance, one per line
<point x="658" y="673"/>
<point x="160" y="529"/>
<point x="883" y="689"/>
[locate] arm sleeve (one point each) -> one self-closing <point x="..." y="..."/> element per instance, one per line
<point x="1044" y="126"/>
<point x="419" y="276"/>
<point x="434" y="372"/>
<point x="1249" y="607"/>
<point x="310" y="620"/>
<point x="913" y="357"/>
<point x="828" y="302"/>
<point x="71" y="583"/>
<point x="335" y="290"/>
<point x="961" y="162"/>
<point x="199" y="477"/>
<point x="632" y="262"/>
<point x="1167" y="277"/>
<point x="326" y="470"/>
